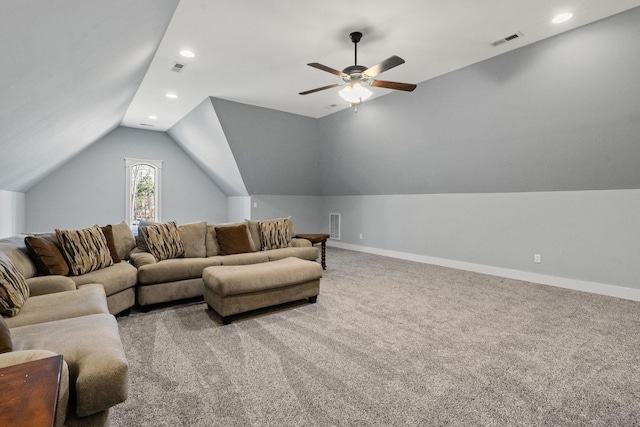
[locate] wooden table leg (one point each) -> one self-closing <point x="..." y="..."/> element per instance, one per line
<point x="324" y="255"/>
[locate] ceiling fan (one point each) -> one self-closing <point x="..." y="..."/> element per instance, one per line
<point x="355" y="76"/>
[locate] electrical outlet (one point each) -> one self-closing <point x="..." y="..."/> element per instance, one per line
<point x="360" y="236"/>
<point x="255" y="204"/>
<point x="536" y="258"/>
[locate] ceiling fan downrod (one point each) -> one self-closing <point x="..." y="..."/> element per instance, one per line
<point x="355" y="38"/>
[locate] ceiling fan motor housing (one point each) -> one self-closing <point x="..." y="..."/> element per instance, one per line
<point x="354" y="72"/>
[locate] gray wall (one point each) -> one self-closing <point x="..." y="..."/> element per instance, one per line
<point x="560" y="114"/>
<point x="276" y="152"/>
<point x="305" y="211"/>
<point x="12" y="213"/>
<point x="582" y="235"/>
<point x="90" y="188"/>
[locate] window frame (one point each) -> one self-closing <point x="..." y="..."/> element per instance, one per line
<point x="129" y="163"/>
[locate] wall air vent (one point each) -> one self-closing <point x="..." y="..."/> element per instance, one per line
<point x="334" y="226"/>
<point x="507" y="39"/>
<point x="177" y="67"/>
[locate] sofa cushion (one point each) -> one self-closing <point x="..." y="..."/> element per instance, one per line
<point x="85" y="250"/>
<point x="211" y="243"/>
<point x="140" y="241"/>
<point x="107" y="230"/>
<point x="5" y="337"/>
<point x="123" y="239"/>
<point x="42" y="285"/>
<point x="114" y="279"/>
<point x="88" y="299"/>
<point x="233" y="239"/>
<point x="275" y="234"/>
<point x="309" y="253"/>
<point x="193" y="238"/>
<point x="162" y="240"/>
<point x="171" y="270"/>
<point x="254" y="231"/>
<point x="13" y="288"/>
<point x="47" y="255"/>
<point x="243" y="259"/>
<point x="15" y="249"/>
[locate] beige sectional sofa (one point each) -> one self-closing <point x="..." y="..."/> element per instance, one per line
<point x="179" y="278"/>
<point x="75" y="323"/>
<point x="74" y="315"/>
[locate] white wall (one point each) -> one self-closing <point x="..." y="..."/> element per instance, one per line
<point x="12" y="213"/>
<point x="589" y="236"/>
<point x="90" y="188"/>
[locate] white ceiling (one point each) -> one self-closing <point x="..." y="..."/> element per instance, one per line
<point x="256" y="52"/>
<point x="74" y="70"/>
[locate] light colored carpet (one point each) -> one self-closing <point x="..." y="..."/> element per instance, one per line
<point x="390" y="343"/>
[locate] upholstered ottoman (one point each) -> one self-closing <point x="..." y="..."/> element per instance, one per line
<point x="233" y="289"/>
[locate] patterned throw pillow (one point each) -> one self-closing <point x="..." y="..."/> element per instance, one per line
<point x="162" y="240"/>
<point x="14" y="290"/>
<point x="275" y="234"/>
<point x="85" y="250"/>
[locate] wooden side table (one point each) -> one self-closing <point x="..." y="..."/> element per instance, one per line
<point x="29" y="393"/>
<point x="314" y="239"/>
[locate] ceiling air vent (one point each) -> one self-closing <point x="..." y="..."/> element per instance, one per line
<point x="507" y="39"/>
<point x="177" y="67"/>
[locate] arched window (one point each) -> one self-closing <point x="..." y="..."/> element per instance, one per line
<point x="143" y="189"/>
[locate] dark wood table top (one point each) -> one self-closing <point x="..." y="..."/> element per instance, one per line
<point x="29" y="393"/>
<point x="314" y="238"/>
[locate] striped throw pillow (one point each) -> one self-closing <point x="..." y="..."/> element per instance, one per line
<point x="14" y="290"/>
<point x="162" y="240"/>
<point x="275" y="234"/>
<point x="85" y="250"/>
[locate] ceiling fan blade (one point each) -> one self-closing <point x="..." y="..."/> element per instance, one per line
<point x="327" y="69"/>
<point x="385" y="65"/>
<point x="407" y="87"/>
<point x="319" y="89"/>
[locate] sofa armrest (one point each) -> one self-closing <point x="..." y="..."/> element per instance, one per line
<point x="139" y="258"/>
<point x="300" y="243"/>
<point x="16" y="357"/>
<point x="41" y="285"/>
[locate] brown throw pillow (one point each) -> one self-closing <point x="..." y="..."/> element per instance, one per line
<point x="107" y="230"/>
<point x="46" y="254"/>
<point x="233" y="239"/>
<point x="13" y="288"/>
<point x="5" y="337"/>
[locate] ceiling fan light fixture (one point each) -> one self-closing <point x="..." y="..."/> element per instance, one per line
<point x="355" y="94"/>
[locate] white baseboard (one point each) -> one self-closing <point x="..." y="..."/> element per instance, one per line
<point x="560" y="282"/>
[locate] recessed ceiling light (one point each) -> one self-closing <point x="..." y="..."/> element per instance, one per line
<point x="563" y="17"/>
<point x="172" y="95"/>
<point x="153" y="117"/>
<point x="187" y="53"/>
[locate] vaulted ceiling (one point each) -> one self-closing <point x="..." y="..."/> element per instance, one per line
<point x="75" y="70"/>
